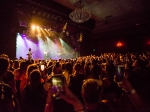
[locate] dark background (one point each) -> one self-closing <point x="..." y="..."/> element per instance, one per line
<point x="135" y="38"/>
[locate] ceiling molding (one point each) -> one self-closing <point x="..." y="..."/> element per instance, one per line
<point x="122" y="22"/>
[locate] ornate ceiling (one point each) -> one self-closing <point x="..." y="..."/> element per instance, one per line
<point x="106" y="14"/>
<point x="114" y="14"/>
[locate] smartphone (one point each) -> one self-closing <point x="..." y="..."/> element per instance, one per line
<point x="42" y="67"/>
<point x="57" y="82"/>
<point x="120" y="72"/>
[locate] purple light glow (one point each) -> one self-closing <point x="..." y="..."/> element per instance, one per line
<point x="54" y="50"/>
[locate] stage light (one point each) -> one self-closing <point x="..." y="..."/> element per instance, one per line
<point x="44" y="32"/>
<point x="33" y="27"/>
<point x="119" y="44"/>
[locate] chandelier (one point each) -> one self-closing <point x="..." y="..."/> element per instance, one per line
<point x="80" y="14"/>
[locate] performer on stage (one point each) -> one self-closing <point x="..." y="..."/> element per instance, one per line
<point x="45" y="54"/>
<point x="29" y="54"/>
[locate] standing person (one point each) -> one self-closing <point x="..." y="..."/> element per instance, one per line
<point x="20" y="77"/>
<point x="45" y="54"/>
<point x="6" y="92"/>
<point x="76" y="80"/>
<point x="33" y="96"/>
<point x="67" y="72"/>
<point x="29" y="54"/>
<point x="91" y="93"/>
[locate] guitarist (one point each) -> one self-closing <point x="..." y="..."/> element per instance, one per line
<point x="29" y="54"/>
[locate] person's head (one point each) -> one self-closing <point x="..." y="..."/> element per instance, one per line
<point x="20" y="58"/>
<point x="77" y="67"/>
<point x="94" y="62"/>
<point x="87" y="69"/>
<point x="57" y="64"/>
<point x="4" y="64"/>
<point x="11" y="63"/>
<point x="57" y="68"/>
<point x="23" y="66"/>
<point x="31" y="68"/>
<point x="4" y="55"/>
<point x="8" y="77"/>
<point x="50" y="63"/>
<point x="29" y="49"/>
<point x="49" y="70"/>
<point x="91" y="91"/>
<point x="35" y="76"/>
<point x="68" y="67"/>
<point x="16" y="64"/>
<point x="95" y="71"/>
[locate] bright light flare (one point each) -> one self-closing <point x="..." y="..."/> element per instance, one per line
<point x="33" y="27"/>
<point x="119" y="44"/>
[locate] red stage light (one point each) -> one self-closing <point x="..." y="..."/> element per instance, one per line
<point x="119" y="44"/>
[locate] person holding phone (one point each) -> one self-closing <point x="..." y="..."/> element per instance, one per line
<point x="131" y="91"/>
<point x="64" y="93"/>
<point x="43" y="70"/>
<point x="42" y="67"/>
<point x="120" y="72"/>
<point x="139" y="104"/>
<point x="57" y="83"/>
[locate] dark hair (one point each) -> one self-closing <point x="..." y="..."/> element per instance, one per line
<point x="95" y="71"/>
<point x="49" y="70"/>
<point x="29" y="49"/>
<point x="31" y="68"/>
<point x="50" y="63"/>
<point x="87" y="69"/>
<point x="4" y="63"/>
<point x="35" y="76"/>
<point x="68" y="67"/>
<point x="8" y="77"/>
<point x="23" y="66"/>
<point x="91" y="90"/>
<point x="56" y="68"/>
<point x="77" y="67"/>
<point x="57" y="64"/>
<point x="16" y="64"/>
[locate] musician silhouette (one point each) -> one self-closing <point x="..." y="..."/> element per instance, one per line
<point x="29" y="54"/>
<point x="45" y="54"/>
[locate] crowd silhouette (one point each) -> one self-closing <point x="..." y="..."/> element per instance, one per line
<point x="91" y="84"/>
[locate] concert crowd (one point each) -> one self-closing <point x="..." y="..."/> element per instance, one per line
<point x="110" y="82"/>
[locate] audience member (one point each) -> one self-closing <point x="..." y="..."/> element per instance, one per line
<point x="33" y="96"/>
<point x="76" y="80"/>
<point x="91" y="92"/>
<point x="6" y="92"/>
<point x="67" y="72"/>
<point x="89" y="87"/>
<point x="20" y="77"/>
